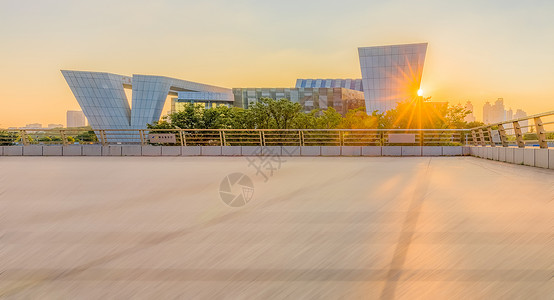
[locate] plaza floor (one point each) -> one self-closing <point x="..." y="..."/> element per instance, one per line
<point x="304" y="227"/>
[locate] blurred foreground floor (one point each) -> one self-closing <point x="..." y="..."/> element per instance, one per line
<point x="319" y="228"/>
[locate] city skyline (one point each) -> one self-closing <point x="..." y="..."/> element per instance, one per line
<point x="505" y="51"/>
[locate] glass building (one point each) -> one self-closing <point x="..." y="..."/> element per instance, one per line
<point x="340" y="99"/>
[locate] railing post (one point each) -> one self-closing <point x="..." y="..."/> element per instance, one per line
<point x="474" y="137"/>
<point x="421" y="137"/>
<point x="481" y="137"/>
<point x="302" y="143"/>
<point x="541" y="134"/>
<point x="221" y="134"/>
<point x="519" y="135"/>
<point x="182" y="136"/>
<point x="23" y="135"/>
<point x="262" y="138"/>
<point x="103" y="137"/>
<point x="502" y="133"/>
<point x="491" y="142"/>
<point x="341" y="138"/>
<point x="62" y="134"/>
<point x="141" y="134"/>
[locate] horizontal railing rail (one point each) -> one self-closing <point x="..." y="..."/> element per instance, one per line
<point x="239" y="137"/>
<point x="535" y="131"/>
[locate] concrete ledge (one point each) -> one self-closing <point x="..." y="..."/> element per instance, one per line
<point x="267" y="150"/>
<point x="510" y="156"/>
<point x="371" y="150"/>
<point x="501" y="154"/>
<point x="411" y="151"/>
<point x="1" y="150"/>
<point x="482" y="152"/>
<point x="330" y="150"/>
<point x="72" y="150"/>
<point x="152" y="150"/>
<point x="210" y="150"/>
<point x="111" y="150"/>
<point x="92" y="150"/>
<point x="391" y="150"/>
<point x="257" y="150"/>
<point x="551" y="159"/>
<point x="13" y="150"/>
<point x="54" y="150"/>
<point x="310" y="150"/>
<point x="518" y="156"/>
<point x="489" y="153"/>
<point x="131" y="150"/>
<point x="529" y="157"/>
<point x="495" y="153"/>
<point x="465" y="150"/>
<point x="541" y="158"/>
<point x="351" y="150"/>
<point x="32" y="150"/>
<point x="191" y="150"/>
<point x="432" y="151"/>
<point x="169" y="151"/>
<point x="290" y="150"/>
<point x="231" y="150"/>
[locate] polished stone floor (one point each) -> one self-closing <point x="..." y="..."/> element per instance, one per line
<point x="317" y="228"/>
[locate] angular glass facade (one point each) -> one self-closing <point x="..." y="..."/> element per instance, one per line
<point x="352" y="84"/>
<point x="391" y="74"/>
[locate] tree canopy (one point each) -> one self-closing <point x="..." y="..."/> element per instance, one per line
<point x="269" y="113"/>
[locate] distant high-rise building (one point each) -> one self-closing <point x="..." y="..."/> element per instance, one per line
<point x="487" y="108"/>
<point x="521" y="114"/>
<point x="509" y="114"/>
<point x="52" y="126"/>
<point x="76" y="118"/>
<point x="470" y="117"/>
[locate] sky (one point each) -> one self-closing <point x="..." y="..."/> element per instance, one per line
<point x="478" y="50"/>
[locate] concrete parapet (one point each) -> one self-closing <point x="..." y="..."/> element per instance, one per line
<point x="371" y="151"/>
<point x="290" y="150"/>
<point x="529" y="157"/>
<point x="551" y="159"/>
<point x="310" y="150"/>
<point x="111" y="150"/>
<point x="231" y="150"/>
<point x="131" y="150"/>
<point x="518" y="156"/>
<point x="391" y="150"/>
<point x="330" y="150"/>
<point x="191" y="150"/>
<point x="210" y="150"/>
<point x="13" y="150"/>
<point x="169" y="151"/>
<point x="91" y="150"/>
<point x="510" y="155"/>
<point x="54" y="150"/>
<point x="72" y="150"/>
<point x="351" y="150"/>
<point x="541" y="158"/>
<point x="501" y="154"/>
<point x="411" y="151"/>
<point x="257" y="150"/>
<point x="150" y="150"/>
<point x="32" y="150"/>
<point x="267" y="150"/>
<point x="431" y="151"/>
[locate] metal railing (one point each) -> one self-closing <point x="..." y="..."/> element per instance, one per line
<point x="532" y="131"/>
<point x="240" y="137"/>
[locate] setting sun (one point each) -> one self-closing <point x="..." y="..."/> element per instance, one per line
<point x="420" y="92"/>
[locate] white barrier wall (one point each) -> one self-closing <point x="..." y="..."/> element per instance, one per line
<point x="137" y="150"/>
<point x="534" y="157"/>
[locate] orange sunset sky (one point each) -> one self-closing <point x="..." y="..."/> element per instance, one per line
<point x="478" y="50"/>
